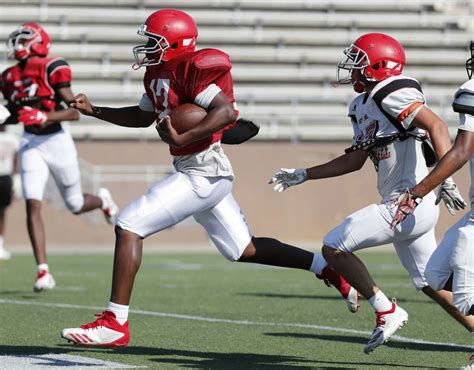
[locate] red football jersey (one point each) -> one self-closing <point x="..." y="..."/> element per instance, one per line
<point x="34" y="82"/>
<point x="182" y="79"/>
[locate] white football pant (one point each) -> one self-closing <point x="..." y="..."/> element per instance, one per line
<point x="455" y="255"/>
<point x="55" y="153"/>
<point x="413" y="239"/>
<point x="208" y="199"/>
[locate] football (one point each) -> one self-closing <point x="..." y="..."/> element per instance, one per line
<point x="186" y="116"/>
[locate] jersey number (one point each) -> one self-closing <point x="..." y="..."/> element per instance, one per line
<point x="160" y="88"/>
<point x="24" y="91"/>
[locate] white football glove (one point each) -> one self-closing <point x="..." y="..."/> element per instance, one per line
<point x="287" y="177"/>
<point x="449" y="193"/>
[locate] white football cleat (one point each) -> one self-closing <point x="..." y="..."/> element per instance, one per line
<point x="352" y="300"/>
<point x="109" y="208"/>
<point x="106" y="331"/>
<point x="387" y="323"/>
<point x="350" y="294"/>
<point x="44" y="281"/>
<point x="4" y="254"/>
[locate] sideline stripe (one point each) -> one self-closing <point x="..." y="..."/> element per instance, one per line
<point x="238" y="322"/>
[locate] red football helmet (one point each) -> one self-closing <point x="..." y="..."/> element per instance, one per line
<point x="376" y="55"/>
<point x="170" y="33"/>
<point x="27" y="40"/>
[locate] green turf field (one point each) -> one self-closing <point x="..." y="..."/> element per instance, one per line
<point x="201" y="311"/>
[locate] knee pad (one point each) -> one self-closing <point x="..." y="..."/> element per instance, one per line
<point x="74" y="203"/>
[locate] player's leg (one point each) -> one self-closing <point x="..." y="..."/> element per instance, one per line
<point x="421" y="258"/>
<point x="34" y="175"/>
<point x="462" y="262"/>
<point x="168" y="202"/>
<point x="228" y="229"/>
<point x="5" y="200"/>
<point x="366" y="228"/>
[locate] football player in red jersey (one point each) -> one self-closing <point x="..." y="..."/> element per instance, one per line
<point x="390" y="121"/>
<point x="38" y="90"/>
<point x="202" y="185"/>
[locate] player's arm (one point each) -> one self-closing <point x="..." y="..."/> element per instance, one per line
<point x="438" y="130"/>
<point x="220" y="113"/>
<point x="68" y="114"/>
<point x="436" y="127"/>
<point x="452" y="161"/>
<point x="131" y="116"/>
<point x="347" y="163"/>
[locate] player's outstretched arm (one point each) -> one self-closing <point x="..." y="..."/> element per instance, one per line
<point x="126" y="116"/>
<point x="346" y="163"/>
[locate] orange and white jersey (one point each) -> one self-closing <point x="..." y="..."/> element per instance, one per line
<point x="466" y="122"/>
<point x="384" y="112"/>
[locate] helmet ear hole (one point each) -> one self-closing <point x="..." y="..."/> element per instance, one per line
<point x="174" y="45"/>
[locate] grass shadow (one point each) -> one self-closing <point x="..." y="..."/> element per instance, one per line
<point x="392" y="344"/>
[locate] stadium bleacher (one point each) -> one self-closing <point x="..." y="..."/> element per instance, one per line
<point x="284" y="53"/>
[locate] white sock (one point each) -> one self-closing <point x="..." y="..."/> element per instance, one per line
<point x="120" y="311"/>
<point x="380" y="302"/>
<point x="1" y="241"/>
<point x="318" y="264"/>
<point x="42" y="267"/>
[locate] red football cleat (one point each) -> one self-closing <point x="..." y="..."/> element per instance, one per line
<point x="106" y="331"/>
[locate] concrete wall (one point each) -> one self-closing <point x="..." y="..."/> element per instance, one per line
<point x="302" y="214"/>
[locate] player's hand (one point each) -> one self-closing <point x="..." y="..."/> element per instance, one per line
<point x="31" y="116"/>
<point x="167" y="132"/>
<point x="82" y="104"/>
<point x="287" y="177"/>
<point x="407" y="202"/>
<point x="449" y="193"/>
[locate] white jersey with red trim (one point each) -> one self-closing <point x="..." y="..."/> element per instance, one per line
<point x="466" y="122"/>
<point x="393" y="103"/>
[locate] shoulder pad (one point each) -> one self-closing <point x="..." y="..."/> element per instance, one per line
<point x="55" y="63"/>
<point x="464" y="102"/>
<point x="211" y="58"/>
<point x="395" y="85"/>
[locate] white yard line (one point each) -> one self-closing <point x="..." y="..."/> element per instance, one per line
<point x="236" y="322"/>
<point x="58" y="361"/>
